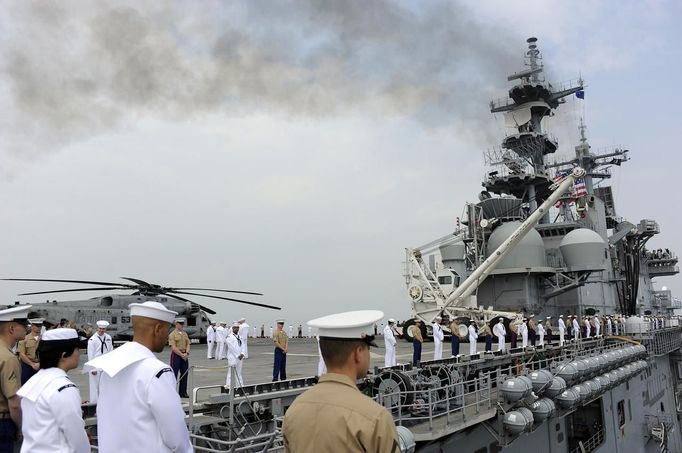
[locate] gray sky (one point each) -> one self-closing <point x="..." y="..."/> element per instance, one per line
<point x="296" y="148"/>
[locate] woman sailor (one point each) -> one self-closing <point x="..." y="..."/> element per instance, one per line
<point x="50" y="402"/>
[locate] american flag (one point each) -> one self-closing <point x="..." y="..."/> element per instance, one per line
<point x="579" y="188"/>
<point x="558" y="176"/>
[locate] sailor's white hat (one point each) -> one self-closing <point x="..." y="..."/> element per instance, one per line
<point x="61" y="336"/>
<point x="235" y="324"/>
<point x="391" y="320"/>
<point x="102" y="324"/>
<point x="153" y="310"/>
<point x="61" y="333"/>
<point x="351" y="325"/>
<point x="241" y="319"/>
<point x="561" y="316"/>
<point x="36" y="321"/>
<point x="438" y="317"/>
<point x="18" y="313"/>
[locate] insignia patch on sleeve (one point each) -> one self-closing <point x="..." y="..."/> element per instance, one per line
<point x="165" y="370"/>
<point x="65" y="387"/>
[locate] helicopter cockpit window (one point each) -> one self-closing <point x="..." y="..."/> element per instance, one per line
<point x="106" y="301"/>
<point x="191" y="321"/>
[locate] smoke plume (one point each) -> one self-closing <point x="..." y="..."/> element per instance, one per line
<point x="73" y="70"/>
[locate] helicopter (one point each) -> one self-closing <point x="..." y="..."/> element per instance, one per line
<point x="114" y="307"/>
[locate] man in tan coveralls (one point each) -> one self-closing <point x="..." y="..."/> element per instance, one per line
<point x="334" y="415"/>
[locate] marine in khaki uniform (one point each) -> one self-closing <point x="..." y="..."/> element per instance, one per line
<point x="27" y="349"/>
<point x="179" y="359"/>
<point x="281" y="340"/>
<point x="334" y="415"/>
<point x="12" y="329"/>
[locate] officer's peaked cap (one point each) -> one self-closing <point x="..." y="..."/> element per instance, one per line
<point x="18" y="314"/>
<point x="351" y="325"/>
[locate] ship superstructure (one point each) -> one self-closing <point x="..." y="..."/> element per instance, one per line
<point x="578" y="259"/>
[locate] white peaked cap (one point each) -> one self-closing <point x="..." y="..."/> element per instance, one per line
<point x="102" y="324"/>
<point x="20" y="312"/>
<point x="561" y="316"/>
<point x="60" y="334"/>
<point x="353" y="325"/>
<point x="242" y="319"/>
<point x="36" y="321"/>
<point x="280" y="321"/>
<point x="391" y="320"/>
<point x="549" y="317"/>
<point x="153" y="310"/>
<point x="180" y="320"/>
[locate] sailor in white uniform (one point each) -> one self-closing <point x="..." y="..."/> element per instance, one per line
<point x="139" y="408"/>
<point x="244" y="335"/>
<point x="473" y="336"/>
<point x="321" y="366"/>
<point x="523" y="331"/>
<point x="235" y="357"/>
<point x="50" y="402"/>
<point x="98" y="344"/>
<point x="597" y="326"/>
<point x="541" y="332"/>
<point x="438" y="337"/>
<point x="210" y="341"/>
<point x="500" y="333"/>
<point x="220" y="336"/>
<point x="389" y="344"/>
<point x="562" y="330"/>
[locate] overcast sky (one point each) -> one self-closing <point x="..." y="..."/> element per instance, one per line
<point x="296" y="148"/>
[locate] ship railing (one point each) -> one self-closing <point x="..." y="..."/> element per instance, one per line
<point x="449" y="407"/>
<point x="590" y="444"/>
<point x="264" y="443"/>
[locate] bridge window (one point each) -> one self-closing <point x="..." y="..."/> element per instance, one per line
<point x="445" y="280"/>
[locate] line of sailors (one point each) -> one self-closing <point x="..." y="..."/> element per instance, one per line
<point x="532" y="331"/>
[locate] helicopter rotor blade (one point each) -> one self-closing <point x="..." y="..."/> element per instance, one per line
<point x="85" y="282"/>
<point x="206" y="309"/>
<point x="106" y="288"/>
<point x="219" y="290"/>
<point x="137" y="281"/>
<point x="233" y="300"/>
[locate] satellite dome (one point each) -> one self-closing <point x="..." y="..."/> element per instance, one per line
<point x="528" y="252"/>
<point x="583" y="248"/>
